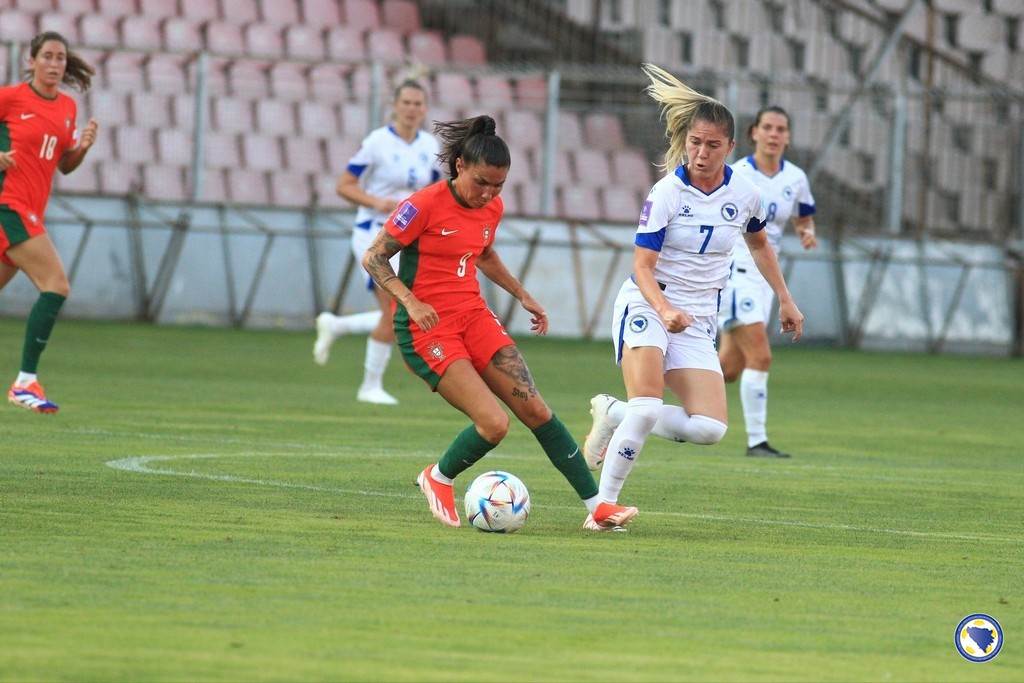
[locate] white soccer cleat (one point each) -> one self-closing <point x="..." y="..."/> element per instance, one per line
<point x="596" y="443"/>
<point x="324" y="338"/>
<point x="376" y="395"/>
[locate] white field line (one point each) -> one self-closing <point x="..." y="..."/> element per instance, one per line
<point x="140" y="464"/>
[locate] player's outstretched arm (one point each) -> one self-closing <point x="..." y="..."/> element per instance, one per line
<point x="764" y="257"/>
<point x="377" y="262"/>
<point x="491" y="265"/>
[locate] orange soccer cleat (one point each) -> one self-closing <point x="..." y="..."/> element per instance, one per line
<point x="440" y="497"/>
<point x="31" y="397"/>
<point x="609" y="517"/>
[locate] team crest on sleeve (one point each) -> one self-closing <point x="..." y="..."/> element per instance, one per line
<point x="729" y="211"/>
<point x="645" y="212"/>
<point x="436" y="350"/>
<point x="404" y="215"/>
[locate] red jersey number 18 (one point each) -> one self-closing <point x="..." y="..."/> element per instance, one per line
<point x="49" y="143"/>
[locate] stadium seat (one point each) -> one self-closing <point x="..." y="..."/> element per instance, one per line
<point x="494" y="92"/>
<point x="109" y="106"/>
<point x="165" y="183"/>
<point x="427" y="47"/>
<point x="529" y="131"/>
<point x="3" y="66"/>
<point x="355" y="119"/>
<point x="150" y="110"/>
<point x="199" y="10"/>
<point x="124" y="71"/>
<point x="246" y="186"/>
<point x="118" y="177"/>
<point x="275" y="117"/>
<point x="359" y="83"/>
<point x="241" y="12"/>
<point x="216" y="75"/>
<point x="321" y="13"/>
<point x="530" y="199"/>
<point x="232" y="115"/>
<point x="290" y="188"/>
<point x="401" y="15"/>
<point x="454" y="90"/>
<point x="15" y="25"/>
<point x="279" y="13"/>
<point x="95" y="30"/>
<point x="181" y="35"/>
<point x="116" y="8"/>
<point x="134" y="144"/>
<point x="340" y="151"/>
<point x="532" y="92"/>
<point x="580" y="203"/>
<point x="262" y="152"/>
<point x="632" y="170"/>
<point x="83" y="180"/>
<point x="264" y="40"/>
<point x="563" y="175"/>
<point x="592" y="167"/>
<point x="214" y="186"/>
<point x="361" y="14"/>
<point x="174" y="147"/>
<point x="304" y="42"/>
<point x="345" y="44"/>
<point x="385" y="45"/>
<point x="64" y="24"/>
<point x="32" y="6"/>
<point x="523" y="169"/>
<point x="466" y="51"/>
<point x="570" y="133"/>
<point x="318" y="120"/>
<point x="224" y="38"/>
<point x="183" y="107"/>
<point x="248" y="78"/>
<point x="165" y="73"/>
<point x="221" y="151"/>
<point x="622" y="204"/>
<point x="327" y="83"/>
<point x="158" y="9"/>
<point x="288" y="81"/>
<point x="75" y="7"/>
<point x="325" y="189"/>
<point x="304" y="154"/>
<point x="603" y="131"/>
<point x="510" y="198"/>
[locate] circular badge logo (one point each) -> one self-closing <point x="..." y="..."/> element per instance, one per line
<point x="978" y="638"/>
<point x="747" y="305"/>
<point x="729" y="211"/>
<point x="638" y="323"/>
<point x="787" y="192"/>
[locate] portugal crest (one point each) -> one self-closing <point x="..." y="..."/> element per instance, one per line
<point x="436" y="350"/>
<point x="487" y="234"/>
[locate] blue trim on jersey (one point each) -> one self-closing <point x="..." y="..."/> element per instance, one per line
<point x="365" y="225"/>
<point x="684" y="176"/>
<point x="650" y="240"/>
<point x="395" y="133"/>
<point x="622" y="333"/>
<point x="753" y="165"/>
<point x="754" y="225"/>
<point x="806" y="209"/>
<point x="356" y="169"/>
<point x="435" y="175"/>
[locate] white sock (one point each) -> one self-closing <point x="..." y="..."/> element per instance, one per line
<point x="592" y="503"/>
<point x="435" y="474"/>
<point x="377" y="356"/>
<point x="357" y="323"/>
<point x="675" y="424"/>
<point x="627" y="441"/>
<point x="754" y="397"/>
<point x="25" y="378"/>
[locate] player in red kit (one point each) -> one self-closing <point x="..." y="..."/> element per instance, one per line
<point x="447" y="334"/>
<point x="38" y="135"/>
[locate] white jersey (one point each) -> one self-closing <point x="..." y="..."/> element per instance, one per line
<point x="784" y="195"/>
<point x="388" y="166"/>
<point x="694" y="234"/>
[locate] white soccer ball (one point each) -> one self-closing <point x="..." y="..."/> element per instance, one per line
<point x="497" y="501"/>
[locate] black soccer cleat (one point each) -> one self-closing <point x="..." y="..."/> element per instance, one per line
<point x="764" y="450"/>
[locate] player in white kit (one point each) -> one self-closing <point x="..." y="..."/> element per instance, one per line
<point x="393" y="162"/>
<point x="665" y="316"/>
<point x="747" y="299"/>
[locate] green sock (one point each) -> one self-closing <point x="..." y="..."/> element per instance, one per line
<point x="467" y="448"/>
<point x="37" y="331"/>
<point x="565" y="454"/>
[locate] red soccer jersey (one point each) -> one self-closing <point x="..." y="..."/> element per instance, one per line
<point x="442" y="241"/>
<point x="40" y="131"/>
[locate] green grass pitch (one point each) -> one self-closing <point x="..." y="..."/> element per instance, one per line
<point x="264" y="526"/>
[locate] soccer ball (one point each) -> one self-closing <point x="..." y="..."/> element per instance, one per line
<point x="497" y="501"/>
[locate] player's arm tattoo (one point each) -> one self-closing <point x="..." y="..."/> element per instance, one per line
<point x="377" y="260"/>
<point x="510" y="362"/>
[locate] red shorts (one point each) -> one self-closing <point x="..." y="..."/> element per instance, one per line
<point x="16" y="226"/>
<point x="475" y="335"/>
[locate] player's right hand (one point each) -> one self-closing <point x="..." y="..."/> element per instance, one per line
<point x="422" y="314"/>
<point x="7" y="160"/>
<point x="675" y="320"/>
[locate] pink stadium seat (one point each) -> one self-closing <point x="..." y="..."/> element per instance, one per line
<point x="279" y="12"/>
<point x="33" y="6"/>
<point x="563" y="169"/>
<point x="264" y="40"/>
<point x="454" y="90"/>
<point x="340" y="151"/>
<point x="134" y="144"/>
<point x="321" y="13"/>
<point x="183" y="106"/>
<point x="443" y="114"/>
<point x="592" y="167"/>
<point x="199" y="10"/>
<point x="174" y="147"/>
<point x="75" y="7"/>
<point x="247" y="186"/>
<point x="224" y="37"/>
<point x="327" y="83"/>
<point x="494" y="92"/>
<point x="401" y="15"/>
<point x="345" y="44"/>
<point x="166" y="74"/>
<point x="262" y="152"/>
<point x="581" y="203"/>
<point x="64" y="24"/>
<point x="109" y="107"/>
<point x="621" y="204"/>
<point x="360" y="82"/>
<point x="304" y="42"/>
<point x="232" y="115"/>
<point x="165" y="183"/>
<point x="361" y="14"/>
<point x="510" y="197"/>
<point x="290" y="188"/>
<point x="466" y="51"/>
<point x="83" y="180"/>
<point x="221" y="151"/>
<point x="355" y="119"/>
<point x="570" y="133"/>
<point x="116" y="8"/>
<point x="103" y="148"/>
<point x="529" y="131"/>
<point x="523" y="170"/>
<point x="124" y="71"/>
<point x="304" y="154"/>
<point x="385" y="45"/>
<point x="318" y="120"/>
<point x="214" y="188"/>
<point x="118" y="177"/>
<point x="140" y="33"/>
<point x="326" y="193"/>
<point x="158" y="9"/>
<point x="631" y="169"/>
<point x="288" y="81"/>
<point x="532" y="92"/>
<point x="150" y="110"/>
<point x="274" y="117"/>
<point x="3" y="65"/>
<point x="16" y="26"/>
<point x="216" y="75"/>
<point x="248" y="78"/>
<point x="427" y="47"/>
<point x="530" y="199"/>
<point x="241" y="12"/>
<point x="182" y="35"/>
<point x="603" y="131"/>
<point x="96" y="30"/>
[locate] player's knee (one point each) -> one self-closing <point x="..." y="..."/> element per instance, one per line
<point x="493" y="427"/>
<point x="730" y="371"/>
<point x="706" y="430"/>
<point x="536" y="414"/>
<point x="643" y="413"/>
<point x="58" y="285"/>
<point x="761" y="360"/>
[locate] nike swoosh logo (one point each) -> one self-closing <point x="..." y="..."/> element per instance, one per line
<point x="574" y="453"/>
<point x="26" y="116"/>
<point x="42" y="341"/>
<point x="445" y="231"/>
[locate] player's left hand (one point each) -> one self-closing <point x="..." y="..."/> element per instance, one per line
<point x="88" y="135"/>
<point x="808" y="240"/>
<point x="792" y="319"/>
<point x="539" y="321"/>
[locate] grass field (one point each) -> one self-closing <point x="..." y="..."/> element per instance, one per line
<point x="209" y="505"/>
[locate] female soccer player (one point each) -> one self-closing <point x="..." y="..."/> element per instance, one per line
<point x="665" y="315"/>
<point x="447" y="334"/>
<point x="392" y="163"/>
<point x="747" y="298"/>
<point x="38" y="135"/>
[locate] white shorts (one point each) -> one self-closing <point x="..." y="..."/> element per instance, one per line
<point x="635" y="323"/>
<point x="746" y="300"/>
<point x="363" y="235"/>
